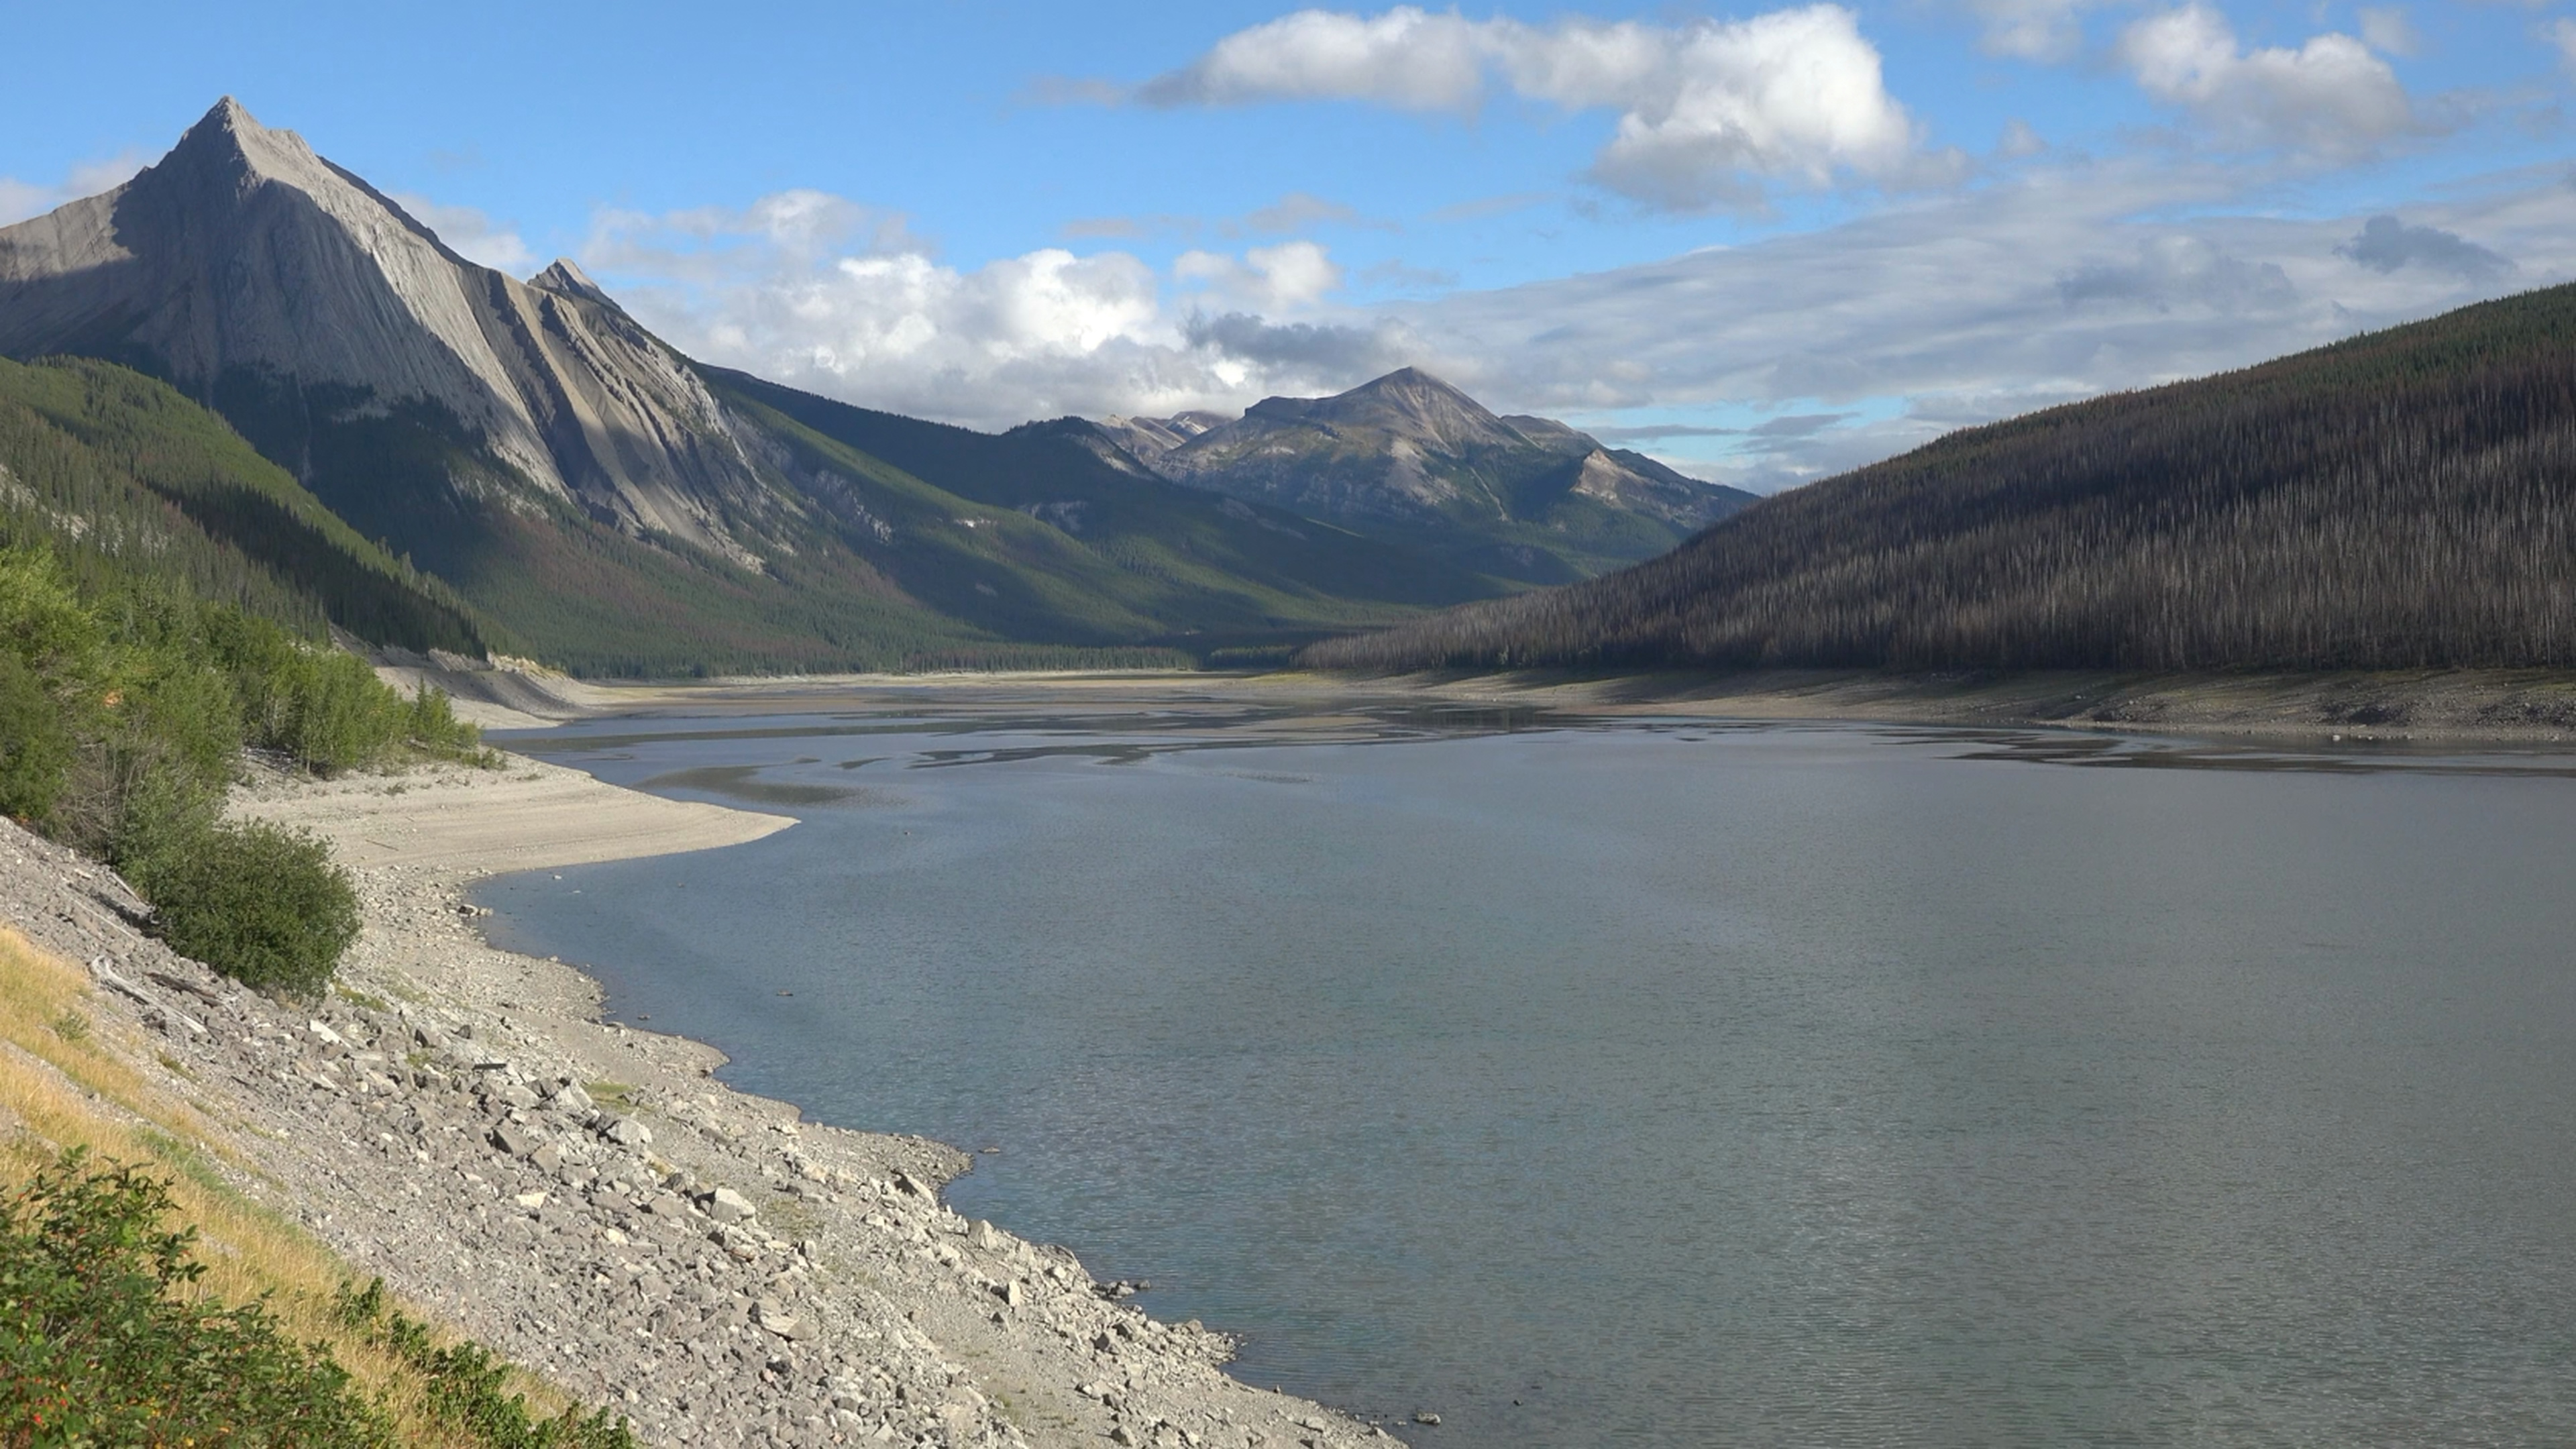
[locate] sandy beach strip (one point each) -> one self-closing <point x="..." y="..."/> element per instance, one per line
<point x="527" y="815"/>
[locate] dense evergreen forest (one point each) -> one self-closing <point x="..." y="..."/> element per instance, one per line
<point x="167" y="598"/>
<point x="2403" y="499"/>
<point x="123" y="479"/>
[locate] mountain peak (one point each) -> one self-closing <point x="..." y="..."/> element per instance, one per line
<point x="566" y="278"/>
<point x="230" y="136"/>
<point x="1412" y="404"/>
<point x="1407" y="379"/>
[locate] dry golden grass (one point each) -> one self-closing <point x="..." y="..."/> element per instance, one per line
<point x="68" y="1079"/>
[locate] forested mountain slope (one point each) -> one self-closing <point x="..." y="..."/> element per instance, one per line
<point x="614" y="507"/>
<point x="2401" y="499"/>
<point x="121" y="478"/>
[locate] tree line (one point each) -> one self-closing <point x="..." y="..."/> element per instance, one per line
<point x="2404" y="499"/>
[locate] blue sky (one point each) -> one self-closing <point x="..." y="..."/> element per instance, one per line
<point x="1761" y="242"/>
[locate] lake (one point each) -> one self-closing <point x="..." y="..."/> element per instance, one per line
<point x="1675" y="1082"/>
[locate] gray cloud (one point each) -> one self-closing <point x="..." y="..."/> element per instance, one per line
<point x="1329" y="353"/>
<point x="1939" y="312"/>
<point x="2176" y="271"/>
<point x="1651" y="432"/>
<point x="1797" y="425"/>
<point x="1297" y="211"/>
<point x="2386" y="244"/>
<point x="1394" y="272"/>
<point x="2024" y="293"/>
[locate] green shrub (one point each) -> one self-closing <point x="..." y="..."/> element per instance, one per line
<point x="342" y="715"/>
<point x="465" y="1386"/>
<point x="261" y="904"/>
<point x="102" y="1342"/>
<point x="35" y="745"/>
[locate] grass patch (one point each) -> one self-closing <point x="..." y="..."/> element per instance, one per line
<point x="86" y="1095"/>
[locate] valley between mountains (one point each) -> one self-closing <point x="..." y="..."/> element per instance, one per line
<point x="248" y="385"/>
<point x="554" y="481"/>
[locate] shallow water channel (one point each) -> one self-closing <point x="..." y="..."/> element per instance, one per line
<point x="1681" y="1083"/>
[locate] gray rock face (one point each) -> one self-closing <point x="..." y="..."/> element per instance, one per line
<point x="243" y="259"/>
<point x="1409" y="446"/>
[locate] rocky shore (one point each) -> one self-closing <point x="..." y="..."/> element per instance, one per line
<point x="584" y="1198"/>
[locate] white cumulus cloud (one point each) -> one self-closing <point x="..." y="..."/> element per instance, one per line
<point x="1708" y="110"/>
<point x="2046" y="30"/>
<point x="2331" y="96"/>
<point x="1405" y="57"/>
<point x="20" y="200"/>
<point x="470" y="233"/>
<point x="820" y="292"/>
<point x="1286" y="277"/>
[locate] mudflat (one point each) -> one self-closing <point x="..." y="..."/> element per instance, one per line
<point x="2432" y="704"/>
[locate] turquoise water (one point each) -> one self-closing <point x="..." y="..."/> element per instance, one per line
<point x="1684" y="1084"/>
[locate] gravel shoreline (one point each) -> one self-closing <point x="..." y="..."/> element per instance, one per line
<point x="584" y="1198"/>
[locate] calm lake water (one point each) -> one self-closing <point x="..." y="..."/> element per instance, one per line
<point x="1684" y="1083"/>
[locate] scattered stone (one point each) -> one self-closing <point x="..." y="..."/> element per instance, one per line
<point x="1425" y="1416"/>
<point x="449" y="1144"/>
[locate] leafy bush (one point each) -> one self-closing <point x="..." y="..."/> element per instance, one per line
<point x="464" y="1386"/>
<point x="35" y="747"/>
<point x="122" y="718"/>
<point x="102" y="1341"/>
<point x="259" y="903"/>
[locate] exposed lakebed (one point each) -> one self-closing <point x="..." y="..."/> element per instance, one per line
<point x="1679" y="1083"/>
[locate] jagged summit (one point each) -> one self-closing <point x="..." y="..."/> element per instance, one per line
<point x="567" y="279"/>
<point x="1408" y="403"/>
<point x="614" y="505"/>
<point x="229" y="132"/>
<point x="1412" y="450"/>
<point x="251" y="272"/>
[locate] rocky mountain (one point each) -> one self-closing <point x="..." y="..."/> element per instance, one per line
<point x="611" y="503"/>
<point x="2398" y="501"/>
<point x="247" y="269"/>
<point x="1410" y="457"/>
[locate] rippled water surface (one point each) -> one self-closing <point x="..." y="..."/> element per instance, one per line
<point x="1684" y="1084"/>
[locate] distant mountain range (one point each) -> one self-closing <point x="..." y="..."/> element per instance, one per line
<point x="1410" y="459"/>
<point x="570" y="483"/>
<point x="2401" y="500"/>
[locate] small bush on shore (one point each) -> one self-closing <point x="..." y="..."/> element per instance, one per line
<point x="103" y="1340"/>
<point x="123" y="714"/>
<point x="261" y="904"/>
<point x="464" y="1386"/>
